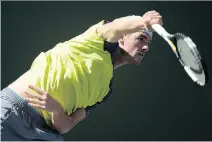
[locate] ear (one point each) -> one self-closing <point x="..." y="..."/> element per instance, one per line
<point x="122" y="39"/>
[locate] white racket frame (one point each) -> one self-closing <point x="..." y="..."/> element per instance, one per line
<point x="166" y="36"/>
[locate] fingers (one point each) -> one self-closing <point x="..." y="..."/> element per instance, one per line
<point x="37" y="89"/>
<point x="42" y="100"/>
<point x="35" y="101"/>
<point x="153" y="17"/>
<point x="37" y="106"/>
<point x="156" y="20"/>
<point x="152" y="13"/>
<point x="34" y="95"/>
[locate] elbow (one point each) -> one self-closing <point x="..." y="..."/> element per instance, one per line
<point x="64" y="130"/>
<point x="110" y="32"/>
<point x="114" y="36"/>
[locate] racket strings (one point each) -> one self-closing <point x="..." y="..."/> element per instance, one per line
<point x="186" y="53"/>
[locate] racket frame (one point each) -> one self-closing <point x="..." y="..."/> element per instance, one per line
<point x="191" y="73"/>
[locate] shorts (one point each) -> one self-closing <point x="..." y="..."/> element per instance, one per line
<point x="21" y="122"/>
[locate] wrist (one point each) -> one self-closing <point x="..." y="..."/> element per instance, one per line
<point x="58" y="111"/>
<point x="146" y="25"/>
<point x="145" y="22"/>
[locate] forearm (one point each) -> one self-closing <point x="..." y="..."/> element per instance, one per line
<point x="116" y="29"/>
<point x="63" y="123"/>
<point x="129" y="24"/>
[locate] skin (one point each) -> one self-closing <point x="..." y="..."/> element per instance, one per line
<point x="135" y="47"/>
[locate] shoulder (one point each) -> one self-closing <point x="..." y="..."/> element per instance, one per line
<point x="91" y="31"/>
<point x="98" y="25"/>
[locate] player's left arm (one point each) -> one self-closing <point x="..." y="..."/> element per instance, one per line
<point x="61" y="121"/>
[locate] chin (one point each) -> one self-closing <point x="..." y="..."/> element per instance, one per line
<point x="135" y="62"/>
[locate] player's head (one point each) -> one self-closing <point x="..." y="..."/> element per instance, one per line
<point x="136" y="45"/>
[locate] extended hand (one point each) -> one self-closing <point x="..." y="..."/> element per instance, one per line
<point x="152" y="17"/>
<point x="42" y="100"/>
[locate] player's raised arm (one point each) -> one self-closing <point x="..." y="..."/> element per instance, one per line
<point x="114" y="30"/>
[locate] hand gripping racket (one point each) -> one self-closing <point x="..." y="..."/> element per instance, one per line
<point x="187" y="53"/>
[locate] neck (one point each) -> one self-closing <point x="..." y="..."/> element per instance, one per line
<point x="120" y="61"/>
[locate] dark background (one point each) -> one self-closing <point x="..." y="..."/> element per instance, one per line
<point x="154" y="101"/>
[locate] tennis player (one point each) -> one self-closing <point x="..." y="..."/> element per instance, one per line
<point x="76" y="76"/>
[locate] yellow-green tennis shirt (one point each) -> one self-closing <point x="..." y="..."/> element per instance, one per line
<point x="77" y="72"/>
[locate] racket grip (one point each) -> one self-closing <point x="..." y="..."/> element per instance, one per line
<point x="161" y="31"/>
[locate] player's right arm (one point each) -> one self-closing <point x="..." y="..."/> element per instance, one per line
<point x="63" y="123"/>
<point x="114" y="30"/>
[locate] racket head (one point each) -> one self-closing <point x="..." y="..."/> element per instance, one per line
<point x="190" y="58"/>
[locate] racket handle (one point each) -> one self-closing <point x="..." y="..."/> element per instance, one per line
<point x="161" y="31"/>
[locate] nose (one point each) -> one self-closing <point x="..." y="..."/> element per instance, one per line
<point x="145" y="48"/>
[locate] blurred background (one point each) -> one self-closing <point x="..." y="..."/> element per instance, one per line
<point x="154" y="101"/>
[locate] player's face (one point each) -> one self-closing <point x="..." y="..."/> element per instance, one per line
<point x="136" y="45"/>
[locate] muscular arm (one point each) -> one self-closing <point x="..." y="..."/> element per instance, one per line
<point x="63" y="123"/>
<point x="114" y="30"/>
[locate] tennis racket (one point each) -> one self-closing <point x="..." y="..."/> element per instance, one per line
<point x="187" y="53"/>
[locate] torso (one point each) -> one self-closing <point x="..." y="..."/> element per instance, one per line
<point x="63" y="77"/>
<point x="20" y="86"/>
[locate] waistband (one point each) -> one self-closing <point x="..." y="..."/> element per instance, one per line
<point x="19" y="101"/>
